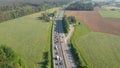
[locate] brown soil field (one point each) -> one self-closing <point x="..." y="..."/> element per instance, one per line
<point x="97" y="23"/>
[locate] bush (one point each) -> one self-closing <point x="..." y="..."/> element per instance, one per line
<point x="72" y="19"/>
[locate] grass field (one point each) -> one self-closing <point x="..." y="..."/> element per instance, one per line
<point x="96" y="50"/>
<point x="79" y="31"/>
<point x="29" y="37"/>
<point x="110" y="7"/>
<point x="97" y="23"/>
<point x="110" y="14"/>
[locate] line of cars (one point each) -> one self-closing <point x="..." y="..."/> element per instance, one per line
<point x="62" y="51"/>
<point x="58" y="58"/>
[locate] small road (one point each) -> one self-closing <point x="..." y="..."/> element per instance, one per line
<point x="70" y="32"/>
<point x="62" y="57"/>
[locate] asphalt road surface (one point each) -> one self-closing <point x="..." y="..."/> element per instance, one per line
<point x="62" y="57"/>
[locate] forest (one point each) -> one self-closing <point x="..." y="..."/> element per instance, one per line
<point x="81" y="6"/>
<point x="11" y="9"/>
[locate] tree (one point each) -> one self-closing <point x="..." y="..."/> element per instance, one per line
<point x="54" y="13"/>
<point x="45" y="16"/>
<point x="79" y="23"/>
<point x="72" y="19"/>
<point x="9" y="59"/>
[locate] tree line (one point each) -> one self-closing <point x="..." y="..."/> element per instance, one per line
<point x="66" y="21"/>
<point x="81" y="6"/>
<point x="15" y="9"/>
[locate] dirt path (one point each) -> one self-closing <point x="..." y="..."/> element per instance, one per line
<point x="70" y="32"/>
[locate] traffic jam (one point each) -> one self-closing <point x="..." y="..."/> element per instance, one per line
<point x="58" y="56"/>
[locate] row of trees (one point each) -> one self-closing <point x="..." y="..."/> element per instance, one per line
<point x="68" y="20"/>
<point x="9" y="59"/>
<point x="15" y="9"/>
<point x="80" y="6"/>
<point x="65" y="24"/>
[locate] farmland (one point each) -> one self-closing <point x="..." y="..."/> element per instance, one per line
<point x="29" y="37"/>
<point x="96" y="39"/>
<point x="110" y="14"/>
<point x="106" y="7"/>
<point x="98" y="50"/>
<point x="97" y="23"/>
<point x="95" y="49"/>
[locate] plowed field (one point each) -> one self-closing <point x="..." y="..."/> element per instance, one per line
<point x="97" y="23"/>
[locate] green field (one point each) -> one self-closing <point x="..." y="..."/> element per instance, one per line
<point x="110" y="7"/>
<point x="96" y="50"/>
<point x="110" y="14"/>
<point x="29" y="37"/>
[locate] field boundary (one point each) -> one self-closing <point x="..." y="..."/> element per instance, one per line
<point x="77" y="56"/>
<point x="51" y="44"/>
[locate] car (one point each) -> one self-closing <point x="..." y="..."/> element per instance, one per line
<point x="56" y="53"/>
<point x="56" y="41"/>
<point x="60" y="58"/>
<point x="56" y="57"/>
<point x="56" y="47"/>
<point x="56" y="63"/>
<point x="60" y="63"/>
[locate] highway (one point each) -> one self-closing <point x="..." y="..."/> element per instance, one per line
<point x="62" y="57"/>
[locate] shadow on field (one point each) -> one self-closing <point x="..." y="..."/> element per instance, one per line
<point x="75" y="54"/>
<point x="41" y="19"/>
<point x="45" y="62"/>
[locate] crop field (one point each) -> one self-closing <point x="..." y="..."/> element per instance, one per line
<point x="97" y="43"/>
<point x="99" y="50"/>
<point x="110" y="7"/>
<point x="95" y="49"/>
<point x="110" y="14"/>
<point x="29" y="37"/>
<point x="96" y="22"/>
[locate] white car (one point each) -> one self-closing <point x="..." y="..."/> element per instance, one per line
<point x="56" y="47"/>
<point x="57" y="57"/>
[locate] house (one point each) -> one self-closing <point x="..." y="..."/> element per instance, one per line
<point x="50" y="16"/>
